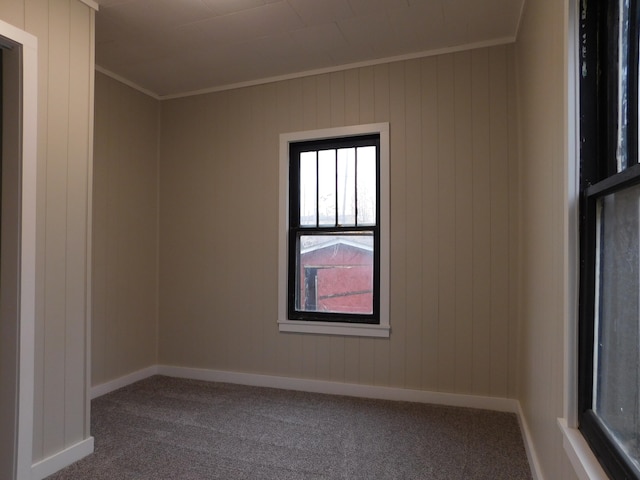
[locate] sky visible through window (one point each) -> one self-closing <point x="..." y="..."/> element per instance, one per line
<point x="342" y="179"/>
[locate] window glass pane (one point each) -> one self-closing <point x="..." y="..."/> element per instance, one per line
<point x="335" y="273"/>
<point x="366" y="185"/>
<point x="308" y="192"/>
<point x="623" y="90"/>
<point x="327" y="187"/>
<point x="616" y="354"/>
<point x="346" y="186"/>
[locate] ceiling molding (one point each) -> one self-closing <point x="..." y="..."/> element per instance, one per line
<point x="321" y="71"/>
<point x="91" y="3"/>
<point x="126" y="82"/>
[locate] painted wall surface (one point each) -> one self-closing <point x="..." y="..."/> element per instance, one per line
<point x="125" y="229"/>
<point x="541" y="65"/>
<point x="453" y="229"/>
<point x="65" y="33"/>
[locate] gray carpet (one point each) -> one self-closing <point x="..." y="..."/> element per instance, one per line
<point x="167" y="428"/>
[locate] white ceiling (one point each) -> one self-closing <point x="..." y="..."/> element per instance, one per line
<point x="169" y="47"/>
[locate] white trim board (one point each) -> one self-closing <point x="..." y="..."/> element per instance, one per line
<point x="308" y="73"/>
<point x="91" y="4"/>
<point x="314" y="386"/>
<point x="532" y="456"/>
<point x="57" y="462"/>
<point x="348" y="66"/>
<point x="26" y="317"/>
<point x="123" y="381"/>
<point x="126" y="82"/>
<point x="584" y="462"/>
<point x="346" y="389"/>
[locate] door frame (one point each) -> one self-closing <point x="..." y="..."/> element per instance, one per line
<point x="26" y="46"/>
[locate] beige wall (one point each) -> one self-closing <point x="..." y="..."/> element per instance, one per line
<point x="453" y="157"/>
<point x="64" y="29"/>
<point x="541" y="75"/>
<point x="125" y="230"/>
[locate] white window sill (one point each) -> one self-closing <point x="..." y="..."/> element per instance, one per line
<point x="582" y="459"/>
<point x="332" y="328"/>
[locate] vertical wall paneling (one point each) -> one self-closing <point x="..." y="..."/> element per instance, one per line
<point x="125" y="211"/>
<point x="398" y="251"/>
<point x="13" y="12"/>
<point x="37" y="22"/>
<point x="514" y="230"/>
<point x="77" y="202"/>
<point x="218" y="227"/>
<point x="446" y="224"/>
<point x="55" y="225"/>
<point x="428" y="222"/>
<point x="481" y="211"/>
<point x="542" y="203"/>
<point x="499" y="220"/>
<point x="269" y="156"/>
<point x="64" y="30"/>
<point x="413" y="214"/>
<point x="463" y="222"/>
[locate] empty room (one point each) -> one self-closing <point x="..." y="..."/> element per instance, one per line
<point x="319" y="239"/>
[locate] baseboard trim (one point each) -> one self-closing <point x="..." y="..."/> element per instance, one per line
<point x="108" y="387"/>
<point x="347" y="389"/>
<point x="60" y="460"/>
<point x="532" y="456"/>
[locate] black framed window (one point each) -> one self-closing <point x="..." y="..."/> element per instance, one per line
<point x="609" y="329"/>
<point x="334" y="230"/>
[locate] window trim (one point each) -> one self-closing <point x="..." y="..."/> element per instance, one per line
<point x="285" y="324"/>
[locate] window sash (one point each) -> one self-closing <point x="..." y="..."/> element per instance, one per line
<point x="298" y="227"/>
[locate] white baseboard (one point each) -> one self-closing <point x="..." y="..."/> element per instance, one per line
<point x="347" y="389"/>
<point x="60" y="460"/>
<point x="108" y="387"/>
<point x="532" y="456"/>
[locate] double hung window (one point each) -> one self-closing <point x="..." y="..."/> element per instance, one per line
<point x="609" y="332"/>
<point x="336" y="216"/>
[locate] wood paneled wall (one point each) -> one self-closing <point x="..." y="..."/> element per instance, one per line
<point x="453" y="229"/>
<point x="65" y="32"/>
<point x="544" y="294"/>
<point x="125" y="231"/>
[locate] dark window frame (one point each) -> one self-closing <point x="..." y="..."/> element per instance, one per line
<point x="599" y="37"/>
<point x="295" y="229"/>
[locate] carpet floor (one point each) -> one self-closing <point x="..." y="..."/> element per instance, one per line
<point x="167" y="428"/>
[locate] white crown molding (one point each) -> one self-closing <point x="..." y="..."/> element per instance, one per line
<point x="92" y="4"/>
<point x="340" y="68"/>
<point x="309" y="73"/>
<point x="126" y="82"/>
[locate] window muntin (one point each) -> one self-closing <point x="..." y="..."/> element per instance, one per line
<point x="334" y="233"/>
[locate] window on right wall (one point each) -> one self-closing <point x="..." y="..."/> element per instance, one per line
<point x="609" y="332"/>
